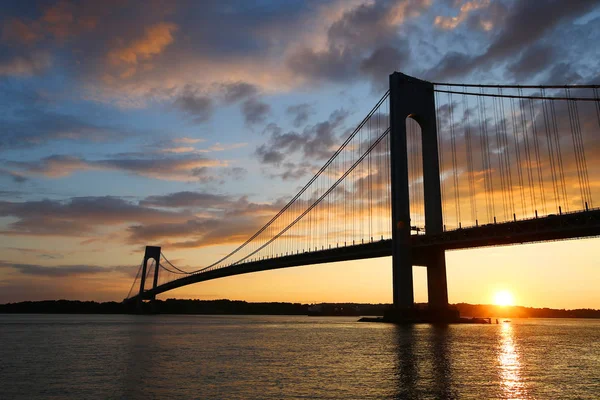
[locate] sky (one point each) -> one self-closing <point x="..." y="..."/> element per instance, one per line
<point x="126" y="123"/>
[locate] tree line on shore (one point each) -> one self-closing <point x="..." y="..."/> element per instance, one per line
<point x="233" y="307"/>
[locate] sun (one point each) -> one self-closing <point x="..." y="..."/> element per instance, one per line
<point x="504" y="298"/>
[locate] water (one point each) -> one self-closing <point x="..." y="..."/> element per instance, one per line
<point x="276" y="357"/>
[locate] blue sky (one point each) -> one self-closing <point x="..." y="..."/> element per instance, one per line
<point x="122" y="117"/>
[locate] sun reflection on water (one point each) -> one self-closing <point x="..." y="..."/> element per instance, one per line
<point x="510" y="365"/>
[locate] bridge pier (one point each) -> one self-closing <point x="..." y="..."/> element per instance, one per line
<point x="151" y="253"/>
<point x="437" y="285"/>
<point x="414" y="98"/>
<point x="402" y="277"/>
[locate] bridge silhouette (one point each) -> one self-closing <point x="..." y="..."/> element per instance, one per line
<point x="433" y="167"/>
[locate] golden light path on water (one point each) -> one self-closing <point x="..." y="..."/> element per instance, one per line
<point x="510" y="365"/>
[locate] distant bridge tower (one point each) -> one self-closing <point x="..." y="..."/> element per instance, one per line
<point x="414" y="98"/>
<point x="152" y="253"/>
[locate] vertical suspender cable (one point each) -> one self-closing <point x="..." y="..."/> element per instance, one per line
<point x="454" y="163"/>
<point x="538" y="160"/>
<point x="550" y="150"/>
<point x="506" y="153"/>
<point x="576" y="148"/>
<point x="517" y="141"/>
<point x="470" y="171"/>
<point x="561" y="170"/>
<point x="441" y="157"/>
<point x="530" y="179"/>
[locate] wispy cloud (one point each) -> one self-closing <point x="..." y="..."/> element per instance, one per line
<point x="184" y="168"/>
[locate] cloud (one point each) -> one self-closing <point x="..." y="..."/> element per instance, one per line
<point x="17" y="31"/>
<point x="449" y="23"/>
<point x="14" y="175"/>
<point x="187" y="140"/>
<point x="525" y="24"/>
<point x="563" y="72"/>
<point x="225" y="220"/>
<point x="194" y="104"/>
<point x="156" y="38"/>
<point x="31" y="126"/>
<point x="255" y="111"/>
<point x="182" y="168"/>
<point x="293" y="171"/>
<point x="24" y="63"/>
<point x="531" y="62"/>
<point x="38" y="253"/>
<point x="382" y="62"/>
<point x="233" y="92"/>
<point x="58" y="271"/>
<point x="316" y="142"/>
<point x="187" y="199"/>
<point x="300" y="113"/>
<point x="363" y="41"/>
<point x="191" y="102"/>
<point x="180" y="219"/>
<point x="128" y="54"/>
<point x="66" y="271"/>
<point x="79" y="216"/>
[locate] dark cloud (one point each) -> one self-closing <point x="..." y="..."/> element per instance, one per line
<point x="15" y="176"/>
<point x="365" y="41"/>
<point x="316" y="142"/>
<point x="230" y="220"/>
<point x="294" y="171"/>
<point x="526" y="23"/>
<point x="79" y="216"/>
<point x="198" y="106"/>
<point x="382" y="62"/>
<point x="181" y="219"/>
<point x="154" y="232"/>
<point x="20" y="62"/>
<point x="236" y="173"/>
<point x="453" y="64"/>
<point x="30" y="127"/>
<point x="166" y="167"/>
<point x="237" y="221"/>
<point x="233" y="92"/>
<point x="187" y="199"/>
<point x="333" y="65"/>
<point x="11" y="194"/>
<point x="255" y="111"/>
<point x="65" y="271"/>
<point x="38" y="253"/>
<point x="268" y="155"/>
<point x="564" y="72"/>
<point x="531" y="62"/>
<point x="300" y="113"/>
<point x="58" y="271"/>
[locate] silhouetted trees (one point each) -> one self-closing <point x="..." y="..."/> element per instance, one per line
<point x="232" y="307"/>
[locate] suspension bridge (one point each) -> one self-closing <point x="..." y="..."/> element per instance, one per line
<point x="433" y="167"/>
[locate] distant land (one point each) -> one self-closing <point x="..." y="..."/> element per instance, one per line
<point x="237" y="307"/>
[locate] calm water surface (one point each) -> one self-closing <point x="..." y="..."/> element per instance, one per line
<point x="276" y="357"/>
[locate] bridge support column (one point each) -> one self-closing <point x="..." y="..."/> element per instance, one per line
<point x="414" y="98"/>
<point x="151" y="253"/>
<point x="437" y="285"/>
<point x="402" y="277"/>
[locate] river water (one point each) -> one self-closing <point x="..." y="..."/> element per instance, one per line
<point x="280" y="357"/>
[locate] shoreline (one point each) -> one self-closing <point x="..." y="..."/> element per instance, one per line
<point x="236" y="307"/>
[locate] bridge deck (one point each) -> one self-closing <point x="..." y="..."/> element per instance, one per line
<point x="552" y="227"/>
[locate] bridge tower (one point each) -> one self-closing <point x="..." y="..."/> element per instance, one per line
<point x="414" y="98"/>
<point x="151" y="253"/>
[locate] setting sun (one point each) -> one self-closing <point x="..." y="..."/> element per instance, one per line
<point x="504" y="298"/>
